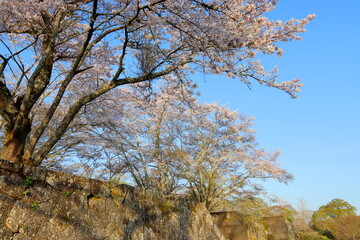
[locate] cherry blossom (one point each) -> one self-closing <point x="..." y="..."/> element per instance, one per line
<point x="58" y="56"/>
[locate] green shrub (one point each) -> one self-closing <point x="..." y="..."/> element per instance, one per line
<point x="313" y="236"/>
<point x="28" y="182"/>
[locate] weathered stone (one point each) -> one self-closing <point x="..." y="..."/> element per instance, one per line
<point x="201" y="222"/>
<point x="6" y="204"/>
<point x="20" y="236"/>
<point x="232" y="225"/>
<point x="237" y="226"/>
<point x="11" y="184"/>
<point x="64" y="206"/>
<point x="5" y="233"/>
<point x="11" y="166"/>
<point x="37" y="174"/>
<point x="279" y="228"/>
<point x="25" y="218"/>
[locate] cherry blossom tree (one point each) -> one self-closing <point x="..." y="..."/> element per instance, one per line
<point x="168" y="141"/>
<point x="223" y="158"/>
<point x="57" y="56"/>
<point x="302" y="221"/>
<point x="139" y="135"/>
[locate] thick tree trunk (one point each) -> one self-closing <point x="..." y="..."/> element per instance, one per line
<point x="18" y="124"/>
<point x="14" y="144"/>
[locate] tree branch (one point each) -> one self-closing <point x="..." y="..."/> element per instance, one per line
<point x="74" y="70"/>
<point x="56" y="135"/>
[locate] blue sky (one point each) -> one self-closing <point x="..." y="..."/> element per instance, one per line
<point x="319" y="131"/>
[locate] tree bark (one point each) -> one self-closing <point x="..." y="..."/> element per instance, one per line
<point x="14" y="144"/>
<point x="16" y="114"/>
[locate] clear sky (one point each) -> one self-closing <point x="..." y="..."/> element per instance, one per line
<point x="319" y="131"/>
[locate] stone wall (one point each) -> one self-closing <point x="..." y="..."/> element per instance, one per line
<point x="237" y="226"/>
<point x="278" y="228"/>
<point x="40" y="204"/>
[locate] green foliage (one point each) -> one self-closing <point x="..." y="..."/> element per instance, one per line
<point x="35" y="206"/>
<point x="26" y="193"/>
<point x="327" y="233"/>
<point x="335" y="208"/>
<point x="312" y="236"/>
<point x="323" y="218"/>
<point x="66" y="194"/>
<point x="28" y="182"/>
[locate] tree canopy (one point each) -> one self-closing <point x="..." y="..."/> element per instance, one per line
<point x="324" y="217"/>
<point x="58" y="56"/>
<point x="166" y="141"/>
